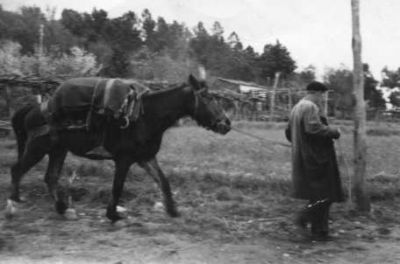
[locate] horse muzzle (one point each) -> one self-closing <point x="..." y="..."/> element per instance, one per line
<point x="223" y="126"/>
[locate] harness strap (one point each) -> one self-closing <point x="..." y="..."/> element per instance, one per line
<point x="90" y="113"/>
<point x="132" y="107"/>
<point x="107" y="92"/>
<point x="196" y="99"/>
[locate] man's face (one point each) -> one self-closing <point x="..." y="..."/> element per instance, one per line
<point x="321" y="97"/>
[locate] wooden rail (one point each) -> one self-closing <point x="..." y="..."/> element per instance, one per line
<point x="5" y="125"/>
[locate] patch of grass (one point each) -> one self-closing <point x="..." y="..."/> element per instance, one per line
<point x="382" y="132"/>
<point x="220" y="182"/>
<point x="383" y="187"/>
<point x="260" y="125"/>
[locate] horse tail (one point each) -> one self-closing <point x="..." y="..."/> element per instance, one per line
<point x="18" y="125"/>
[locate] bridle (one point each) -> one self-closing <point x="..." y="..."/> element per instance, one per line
<point x="197" y="95"/>
<point x="197" y="99"/>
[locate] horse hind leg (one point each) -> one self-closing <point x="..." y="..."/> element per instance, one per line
<point x="33" y="153"/>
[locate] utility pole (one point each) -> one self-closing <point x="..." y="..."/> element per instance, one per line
<point x="40" y="55"/>
<point x="360" y="142"/>
<point x="41" y="34"/>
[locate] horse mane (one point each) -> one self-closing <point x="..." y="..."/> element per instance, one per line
<point x="171" y="88"/>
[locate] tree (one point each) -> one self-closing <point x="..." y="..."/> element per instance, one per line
<point x="99" y="20"/>
<point x="177" y="43"/>
<point x="307" y="75"/>
<point x="233" y="40"/>
<point x="77" y="63"/>
<point x="122" y="34"/>
<point x="218" y="30"/>
<point x="10" y="58"/>
<point x="394" y="98"/>
<point x="161" y="35"/>
<point x="276" y="58"/>
<point x="73" y="21"/>
<point x="372" y="95"/>
<point x="391" y="79"/>
<point x="23" y="27"/>
<point x="341" y="82"/>
<point x="199" y="44"/>
<point x="148" y="30"/>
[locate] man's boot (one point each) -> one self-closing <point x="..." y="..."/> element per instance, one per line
<point x="320" y="223"/>
<point x="305" y="216"/>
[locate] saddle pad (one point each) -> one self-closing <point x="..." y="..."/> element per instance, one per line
<point x="78" y="98"/>
<point x="89" y="93"/>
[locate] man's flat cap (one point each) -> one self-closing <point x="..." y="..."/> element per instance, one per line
<point x="317" y="86"/>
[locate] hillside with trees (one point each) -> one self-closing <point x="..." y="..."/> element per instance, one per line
<point x="139" y="45"/>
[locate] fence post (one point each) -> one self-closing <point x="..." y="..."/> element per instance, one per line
<point x="10" y="109"/>
<point x="272" y="97"/>
<point x="7" y="97"/>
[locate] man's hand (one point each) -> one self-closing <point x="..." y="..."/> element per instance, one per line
<point x="337" y="133"/>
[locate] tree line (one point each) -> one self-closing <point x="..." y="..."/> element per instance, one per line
<point x="140" y="46"/>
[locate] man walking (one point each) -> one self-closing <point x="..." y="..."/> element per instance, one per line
<point x="315" y="172"/>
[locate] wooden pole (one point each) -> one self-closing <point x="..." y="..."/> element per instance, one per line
<point x="41" y="34"/>
<point x="8" y="98"/>
<point x="360" y="142"/>
<point x="272" y="97"/>
<point x="40" y="49"/>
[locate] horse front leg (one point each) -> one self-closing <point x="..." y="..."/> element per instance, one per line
<point x="121" y="170"/>
<point x="56" y="162"/>
<point x="157" y="174"/>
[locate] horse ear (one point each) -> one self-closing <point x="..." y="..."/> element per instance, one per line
<point x="202" y="73"/>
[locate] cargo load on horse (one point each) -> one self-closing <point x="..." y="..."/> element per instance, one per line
<point x="76" y="101"/>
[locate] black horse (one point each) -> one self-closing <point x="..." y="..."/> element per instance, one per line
<point x="138" y="143"/>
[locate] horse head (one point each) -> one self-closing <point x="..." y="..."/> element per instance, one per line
<point x="206" y="110"/>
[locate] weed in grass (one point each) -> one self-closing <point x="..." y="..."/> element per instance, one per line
<point x="228" y="194"/>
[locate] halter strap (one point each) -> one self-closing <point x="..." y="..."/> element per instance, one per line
<point x="196" y="99"/>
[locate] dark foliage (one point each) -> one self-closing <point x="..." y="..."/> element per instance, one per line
<point x="116" y="41"/>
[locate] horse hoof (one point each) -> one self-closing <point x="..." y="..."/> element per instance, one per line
<point x="122" y="211"/>
<point x="113" y="216"/>
<point x="70" y="214"/>
<point x="158" y="206"/>
<point x="174" y="214"/>
<point x="11" y="209"/>
<point x="20" y="199"/>
<point x="171" y="211"/>
<point x="61" y="207"/>
<point x="125" y="222"/>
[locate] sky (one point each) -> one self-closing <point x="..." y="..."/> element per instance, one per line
<point x="315" y="32"/>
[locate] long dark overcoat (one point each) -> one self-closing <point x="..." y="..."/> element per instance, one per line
<point x="315" y="172"/>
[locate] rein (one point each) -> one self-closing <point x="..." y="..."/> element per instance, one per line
<point x="260" y="138"/>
